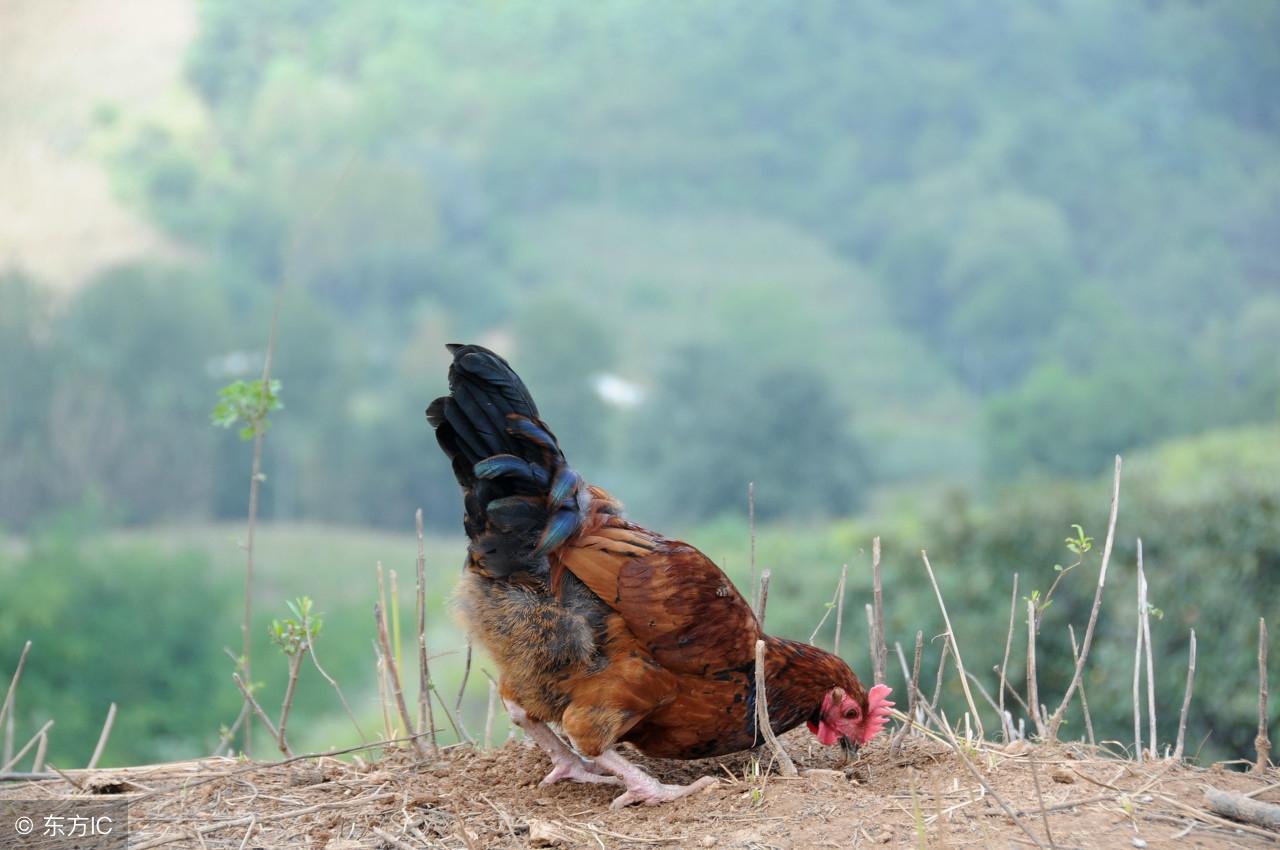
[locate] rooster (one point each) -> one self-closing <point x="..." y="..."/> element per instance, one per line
<point x="611" y="631"/>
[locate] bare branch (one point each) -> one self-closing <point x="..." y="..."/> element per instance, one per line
<point x="35" y="739"/>
<point x="1153" y="740"/>
<point x="389" y="660"/>
<point x="11" y="694"/>
<point x="751" y="524"/>
<point x="955" y="647"/>
<point x="1056" y="719"/>
<point x="763" y="599"/>
<point x="785" y="765"/>
<point x="1084" y="700"/>
<point x="488" y="717"/>
<point x="1033" y="687"/>
<point x="1005" y="722"/>
<point x="1137" y="681"/>
<point x="102" y="738"/>
<point x="1186" y="700"/>
<point x="426" y="717"/>
<point x="880" y="651"/>
<point x="1262" y="743"/>
<point x="257" y="709"/>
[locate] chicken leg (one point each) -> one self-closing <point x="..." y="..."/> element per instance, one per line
<point x="566" y="764"/>
<point x="643" y="788"/>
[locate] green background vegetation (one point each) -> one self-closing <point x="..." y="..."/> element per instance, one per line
<point x="917" y="272"/>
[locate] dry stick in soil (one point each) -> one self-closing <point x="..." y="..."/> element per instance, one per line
<point x="763" y="597"/>
<point x="785" y="765"/>
<point x="462" y="690"/>
<point x="390" y="661"/>
<point x="1137" y="681"/>
<point x="871" y="640"/>
<point x="1186" y="700"/>
<point x="257" y="709"/>
<point x="7" y="705"/>
<point x="913" y="688"/>
<point x="1056" y="719"/>
<point x="35" y="739"/>
<point x="1006" y="720"/>
<point x="1084" y="700"/>
<point x="751" y="524"/>
<point x="1262" y="743"/>
<point x="880" y="651"/>
<point x="102" y="738"/>
<point x="1242" y="808"/>
<point x="295" y="665"/>
<point x="955" y="647"/>
<point x="1044" y="814"/>
<point x="1146" y="643"/>
<point x="942" y="667"/>
<point x="1033" y="688"/>
<point x="964" y="759"/>
<point x="37" y="765"/>
<point x="489" y="715"/>
<point x="426" y="717"/>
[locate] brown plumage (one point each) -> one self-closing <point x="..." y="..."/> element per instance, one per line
<point x="610" y="630"/>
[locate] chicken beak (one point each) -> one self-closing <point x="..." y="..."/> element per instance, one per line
<point x="850" y="748"/>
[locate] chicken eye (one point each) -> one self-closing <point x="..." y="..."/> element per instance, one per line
<point x="851" y="714"/>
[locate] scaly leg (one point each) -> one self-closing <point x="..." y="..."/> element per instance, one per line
<point x="643" y="788"/>
<point x="566" y="764"/>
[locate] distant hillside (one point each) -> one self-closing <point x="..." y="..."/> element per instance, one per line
<point x="63" y="63"/>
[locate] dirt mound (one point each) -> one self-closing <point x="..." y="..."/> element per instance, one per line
<point x="921" y="795"/>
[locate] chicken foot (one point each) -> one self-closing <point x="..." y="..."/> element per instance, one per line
<point x="566" y="764"/>
<point x="643" y="788"/>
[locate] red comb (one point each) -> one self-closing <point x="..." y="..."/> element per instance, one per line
<point x="878" y="705"/>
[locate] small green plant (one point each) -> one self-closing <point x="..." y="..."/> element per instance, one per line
<point x="1079" y="545"/>
<point x="247" y="402"/>
<point x="294" y="635"/>
<point x="755" y="776"/>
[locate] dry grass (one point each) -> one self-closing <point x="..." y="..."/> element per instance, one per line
<point x="472" y="798"/>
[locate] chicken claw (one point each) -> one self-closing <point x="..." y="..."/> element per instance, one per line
<point x="578" y="770"/>
<point x="643" y="788"/>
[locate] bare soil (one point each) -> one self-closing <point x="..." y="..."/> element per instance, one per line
<point x="921" y="796"/>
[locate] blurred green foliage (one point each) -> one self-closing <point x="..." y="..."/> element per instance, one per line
<point x="938" y="265"/>
<point x="999" y="238"/>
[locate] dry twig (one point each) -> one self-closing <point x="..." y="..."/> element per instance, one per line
<point x="1056" y="719"/>
<point x="955" y="647"/>
<point x="879" y="650"/>
<point x="1006" y="721"/>
<point x="1262" y="743"/>
<point x="426" y="718"/>
<point x="1035" y="777"/>
<point x="1084" y="700"/>
<point x="785" y="765"/>
<point x="1033" y="687"/>
<point x="1186" y="700"/>
<point x="35" y="739"/>
<point x="396" y="691"/>
<point x="1146" y="643"/>
<point x="764" y="596"/>
<point x="751" y="524"/>
<point x="6" y="707"/>
<point x="102" y="738"/>
<point x="1137" y="681"/>
<point x="257" y="709"/>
